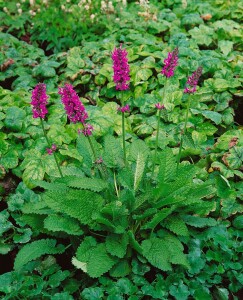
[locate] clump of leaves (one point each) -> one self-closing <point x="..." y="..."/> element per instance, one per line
<point x="124" y="215"/>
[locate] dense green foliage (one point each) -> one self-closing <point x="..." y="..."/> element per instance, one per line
<point x="118" y="229"/>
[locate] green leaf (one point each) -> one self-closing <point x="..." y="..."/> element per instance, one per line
<point x="117" y="244"/>
<point x="199" y="222"/>
<point x="63" y="223"/>
<point x="225" y="47"/>
<point x="79" y="204"/>
<point x="220" y="85"/>
<point x="113" y="154"/>
<point x="212" y="115"/>
<point x="139" y="170"/>
<point x="157" y="218"/>
<point x="203" y="35"/>
<point x="167" y="168"/>
<point x="93" y="184"/>
<point x="180" y="292"/>
<point x="92" y="293"/>
<point x="235" y="158"/>
<point x="34" y="166"/>
<point x="142" y="75"/>
<point x="121" y="269"/>
<point x="75" y="63"/>
<point x="43" y="71"/>
<point x="93" y="258"/>
<point x="14" y="119"/>
<point x="238" y="222"/>
<point x="35" y="250"/>
<point x="176" y="225"/>
<point x="157" y="253"/>
<point x="10" y="159"/>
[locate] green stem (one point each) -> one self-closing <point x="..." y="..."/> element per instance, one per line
<point x="95" y="156"/>
<point x="123" y="138"/>
<point x="184" y="131"/>
<point x="49" y="145"/>
<point x="157" y="132"/>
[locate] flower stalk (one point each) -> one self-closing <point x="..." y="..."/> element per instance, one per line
<point x="160" y="107"/>
<point x="184" y="131"/>
<point x="121" y="79"/>
<point x="50" y="146"/>
<point x="191" y="88"/>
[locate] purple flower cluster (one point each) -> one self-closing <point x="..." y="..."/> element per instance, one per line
<point x="192" y="81"/>
<point x="39" y="101"/>
<point x="52" y="149"/>
<point x="124" y="109"/>
<point x="74" y="107"/>
<point x="121" y="69"/>
<point x="87" y="130"/>
<point x="159" y="106"/>
<point x="170" y="63"/>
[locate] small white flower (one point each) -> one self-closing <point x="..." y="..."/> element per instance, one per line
<point x="63" y="7"/>
<point x="86" y="7"/>
<point x="20" y="11"/>
<point x="18" y="5"/>
<point x="5" y="9"/>
<point x="32" y="2"/>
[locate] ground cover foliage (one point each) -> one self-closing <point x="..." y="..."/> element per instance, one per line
<point x="105" y="225"/>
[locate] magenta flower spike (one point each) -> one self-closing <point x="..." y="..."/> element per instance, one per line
<point x="121" y="69"/>
<point x="192" y="81"/>
<point x="170" y="63"/>
<point x="39" y="101"/>
<point x="74" y="107"/>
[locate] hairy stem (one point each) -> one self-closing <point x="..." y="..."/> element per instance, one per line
<point x="101" y="171"/>
<point x="184" y="131"/>
<point x="49" y="145"/>
<point x="123" y="138"/>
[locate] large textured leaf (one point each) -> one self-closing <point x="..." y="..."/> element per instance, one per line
<point x="85" y="151"/>
<point x="157" y="253"/>
<point x="93" y="184"/>
<point x="176" y="191"/>
<point x="138" y="147"/>
<point x="117" y="244"/>
<point x="93" y="258"/>
<point x="157" y="218"/>
<point x="199" y="222"/>
<point x="78" y="204"/>
<point x="63" y="223"/>
<point x="113" y="154"/>
<point x="176" y="225"/>
<point x="121" y="269"/>
<point x="167" y="168"/>
<point x="36" y="249"/>
<point x="139" y="169"/>
<point x="175" y="249"/>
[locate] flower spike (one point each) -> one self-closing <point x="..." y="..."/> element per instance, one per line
<point x="121" y="69"/>
<point x="170" y="63"/>
<point x="192" y="81"/>
<point x="39" y="101"/>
